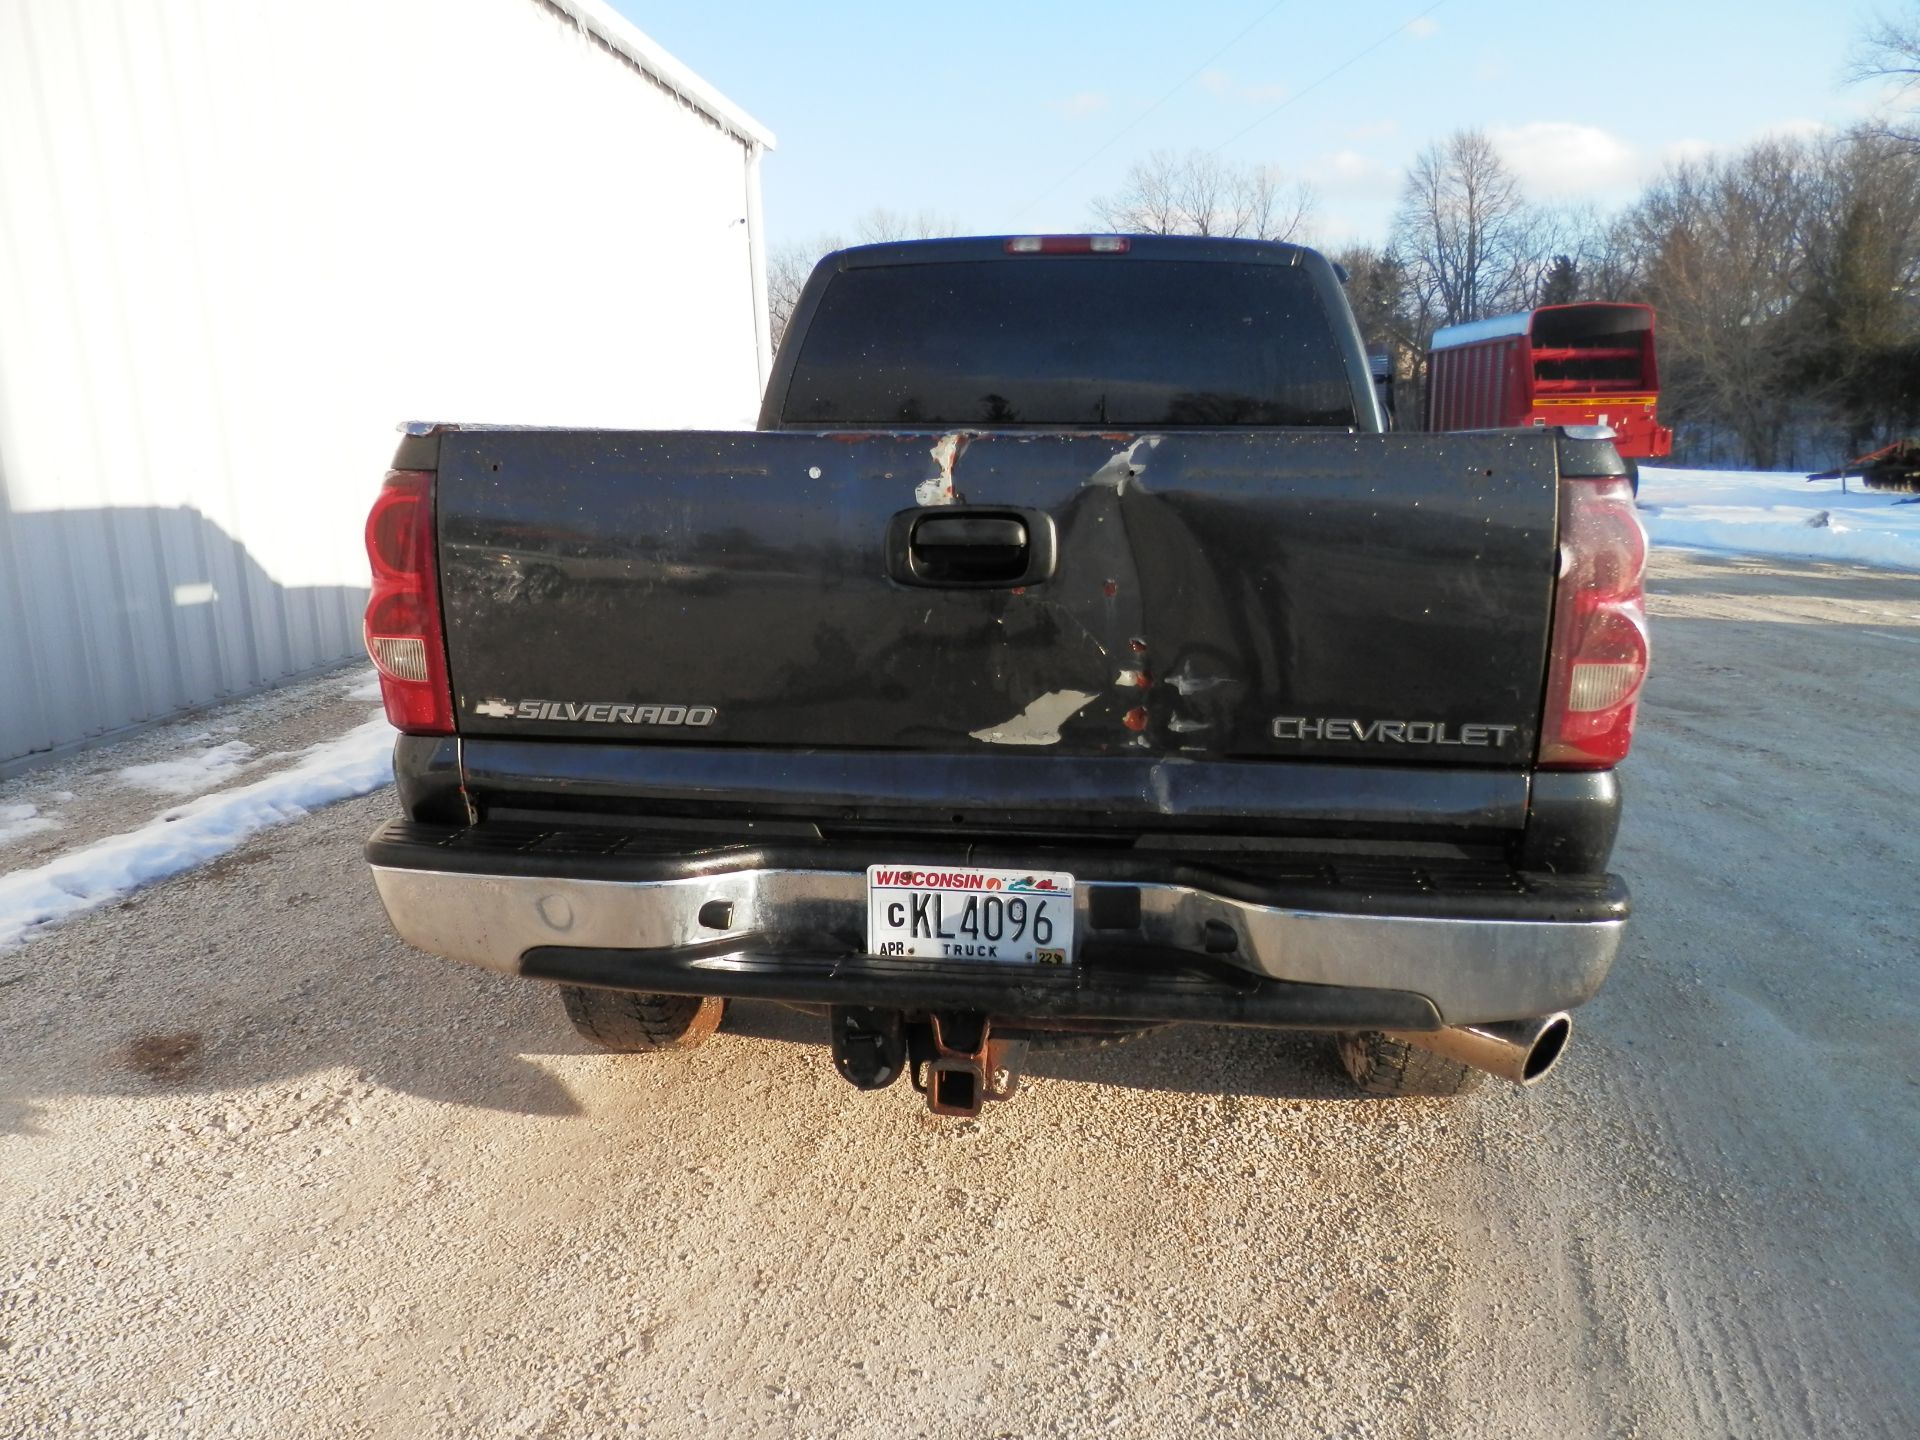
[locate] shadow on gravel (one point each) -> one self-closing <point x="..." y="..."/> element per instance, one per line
<point x="422" y="1027"/>
<point x="477" y="1041"/>
<point x="145" y="1015"/>
<point x="1179" y="1059"/>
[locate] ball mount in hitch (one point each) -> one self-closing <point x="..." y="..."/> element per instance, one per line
<point x="953" y="1059"/>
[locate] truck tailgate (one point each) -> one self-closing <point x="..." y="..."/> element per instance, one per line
<point x="1255" y="594"/>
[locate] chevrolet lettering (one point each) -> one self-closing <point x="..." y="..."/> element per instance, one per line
<point x="1391" y="732"/>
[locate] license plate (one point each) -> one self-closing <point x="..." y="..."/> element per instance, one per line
<point x="1009" y="917"/>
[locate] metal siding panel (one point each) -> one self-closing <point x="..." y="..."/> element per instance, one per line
<point x="233" y="619"/>
<point x="200" y="331"/>
<point x="79" y="628"/>
<point x="197" y="655"/>
<point x="304" y="648"/>
<point x="349" y="634"/>
<point x="24" y="723"/>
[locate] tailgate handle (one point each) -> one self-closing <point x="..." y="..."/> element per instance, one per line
<point x="970" y="547"/>
<point x="974" y="531"/>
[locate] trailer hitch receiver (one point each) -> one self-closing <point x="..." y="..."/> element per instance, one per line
<point x="959" y="1066"/>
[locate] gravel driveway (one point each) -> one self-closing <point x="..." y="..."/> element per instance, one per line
<point x="264" y="1171"/>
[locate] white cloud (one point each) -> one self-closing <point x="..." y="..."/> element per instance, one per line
<point x="1558" y="157"/>
<point x="1423" y="28"/>
<point x="1079" y="106"/>
<point x="1348" y="182"/>
<point x="1351" y="165"/>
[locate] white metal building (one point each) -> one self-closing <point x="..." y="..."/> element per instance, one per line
<point x="240" y="240"/>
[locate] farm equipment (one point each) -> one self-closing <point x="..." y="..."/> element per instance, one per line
<point x="1891" y="467"/>
<point x="1586" y="364"/>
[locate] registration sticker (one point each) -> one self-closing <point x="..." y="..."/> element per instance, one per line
<point x="1009" y="917"/>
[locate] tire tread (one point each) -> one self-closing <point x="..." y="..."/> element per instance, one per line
<point x="633" y="1022"/>
<point x="1381" y="1065"/>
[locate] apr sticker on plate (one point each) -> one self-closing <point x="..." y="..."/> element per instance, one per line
<point x="1017" y="917"/>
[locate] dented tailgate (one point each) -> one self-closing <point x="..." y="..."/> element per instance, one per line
<point x="1251" y="593"/>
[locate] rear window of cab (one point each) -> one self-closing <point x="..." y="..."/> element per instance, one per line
<point x="1126" y="342"/>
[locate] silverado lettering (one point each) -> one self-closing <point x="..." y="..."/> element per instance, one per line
<point x="597" y="712"/>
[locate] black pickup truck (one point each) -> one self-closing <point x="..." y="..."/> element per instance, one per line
<point x="1071" y="651"/>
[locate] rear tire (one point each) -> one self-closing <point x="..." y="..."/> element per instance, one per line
<point x="1382" y="1065"/>
<point x="633" y="1022"/>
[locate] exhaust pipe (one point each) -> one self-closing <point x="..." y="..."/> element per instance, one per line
<point x="1522" y="1051"/>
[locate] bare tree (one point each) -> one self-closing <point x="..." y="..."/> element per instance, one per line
<point x="1606" y="262"/>
<point x="1200" y="194"/>
<point x="1377" y="291"/>
<point x="1724" y="246"/>
<point x="1889" y="49"/>
<point x="788" y="267"/>
<point x="1855" y="334"/>
<point x="1468" y="241"/>
<point x="880" y="225"/>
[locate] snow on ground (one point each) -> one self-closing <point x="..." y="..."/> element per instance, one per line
<point x="191" y="834"/>
<point x="1775" y="513"/>
<point x="19" y="821"/>
<point x="192" y="773"/>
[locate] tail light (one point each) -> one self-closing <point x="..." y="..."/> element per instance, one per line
<point x="1598" y="659"/>
<point x="404" y="635"/>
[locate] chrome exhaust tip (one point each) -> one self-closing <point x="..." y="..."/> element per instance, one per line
<point x="1520" y="1051"/>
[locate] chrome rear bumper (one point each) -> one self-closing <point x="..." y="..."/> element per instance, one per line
<point x="738" y="930"/>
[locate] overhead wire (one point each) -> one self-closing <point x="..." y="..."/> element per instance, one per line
<point x="1339" y="69"/>
<point x="1258" y="121"/>
<point x="1175" y="89"/>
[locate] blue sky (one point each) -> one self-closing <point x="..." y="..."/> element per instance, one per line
<point x="989" y="112"/>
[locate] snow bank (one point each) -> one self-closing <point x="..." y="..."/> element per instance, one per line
<point x="193" y="833"/>
<point x="1770" y="513"/>
<point x="201" y="770"/>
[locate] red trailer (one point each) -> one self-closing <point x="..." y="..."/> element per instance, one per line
<point x="1586" y="364"/>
